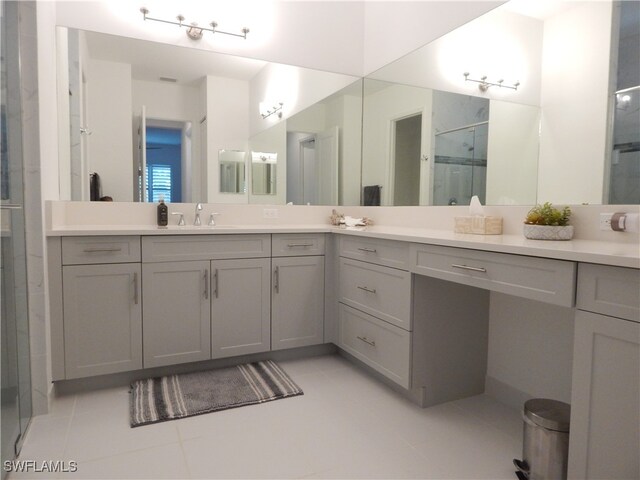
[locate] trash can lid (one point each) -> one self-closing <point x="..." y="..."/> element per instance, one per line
<point x="547" y="413"/>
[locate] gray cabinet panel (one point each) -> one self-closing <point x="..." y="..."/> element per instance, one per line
<point x="297" y="302"/>
<point x="240" y="307"/>
<point x="609" y="290"/>
<point x="102" y="319"/>
<point x="605" y="415"/>
<point x="101" y="249"/>
<point x="176" y="301"/>
<point x="381" y="252"/>
<point x="543" y="279"/>
<point x="380" y="291"/>
<point x="297" y="244"/>
<point x="173" y="248"/>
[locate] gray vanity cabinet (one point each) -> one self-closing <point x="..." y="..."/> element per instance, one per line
<point x="240" y="307"/>
<point x="605" y="395"/>
<point x="297" y="315"/>
<point x="176" y="303"/>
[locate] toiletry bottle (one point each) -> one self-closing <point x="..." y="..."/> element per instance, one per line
<point x="163" y="213"/>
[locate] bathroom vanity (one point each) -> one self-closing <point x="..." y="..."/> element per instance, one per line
<point x="412" y="305"/>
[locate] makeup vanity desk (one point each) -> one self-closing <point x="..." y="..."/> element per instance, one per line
<point x="410" y="304"/>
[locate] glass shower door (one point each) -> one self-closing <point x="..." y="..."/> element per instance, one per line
<point x="15" y="393"/>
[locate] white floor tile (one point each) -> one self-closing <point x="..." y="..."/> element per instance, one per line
<point x="346" y="425"/>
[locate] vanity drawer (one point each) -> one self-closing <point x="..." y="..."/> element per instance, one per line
<point x="382" y="346"/>
<point x="102" y="249"/>
<point x="546" y="280"/>
<point x="381" y="291"/>
<point x="173" y="248"/>
<point x="382" y="252"/>
<point x="297" y="245"/>
<point x="613" y="291"/>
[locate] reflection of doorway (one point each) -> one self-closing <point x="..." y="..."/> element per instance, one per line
<point x="407" y="145"/>
<point x="164" y="160"/>
<point x="312" y="167"/>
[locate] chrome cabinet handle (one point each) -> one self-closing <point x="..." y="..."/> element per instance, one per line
<point x="98" y="250"/>
<point x="10" y="206"/>
<point x="276" y="280"/>
<point x="135" y="288"/>
<point x="181" y="219"/>
<point x="466" y="267"/>
<point x="206" y="283"/>
<point x="368" y="250"/>
<point x="293" y="245"/>
<point x="367" y="341"/>
<point x="367" y="289"/>
<point x="215" y="283"/>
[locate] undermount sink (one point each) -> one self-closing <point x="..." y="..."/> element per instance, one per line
<point x="200" y="227"/>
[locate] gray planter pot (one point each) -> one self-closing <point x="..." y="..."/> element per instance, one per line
<point x="548" y="232"/>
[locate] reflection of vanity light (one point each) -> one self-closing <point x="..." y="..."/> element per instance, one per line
<point x="484" y="84"/>
<point x="266" y="111"/>
<point x="264" y="157"/>
<point x="623" y="101"/>
<point x="194" y="32"/>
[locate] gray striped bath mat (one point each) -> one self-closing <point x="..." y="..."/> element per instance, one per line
<point x="178" y="396"/>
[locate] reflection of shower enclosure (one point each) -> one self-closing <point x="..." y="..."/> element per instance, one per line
<point x="460" y="168"/>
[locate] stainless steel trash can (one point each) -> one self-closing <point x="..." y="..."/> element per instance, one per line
<point x="545" y="447"/>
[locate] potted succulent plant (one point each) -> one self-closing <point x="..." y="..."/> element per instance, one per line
<point x="544" y="222"/>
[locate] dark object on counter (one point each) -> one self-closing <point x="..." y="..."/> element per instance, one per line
<point x="371" y="195"/>
<point x="163" y="213"/>
<point x="106" y="198"/>
<point x="94" y="187"/>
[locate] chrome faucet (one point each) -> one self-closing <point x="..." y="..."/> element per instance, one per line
<point x="197" y="222"/>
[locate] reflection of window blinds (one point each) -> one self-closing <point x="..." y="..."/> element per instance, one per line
<point x="159" y="182"/>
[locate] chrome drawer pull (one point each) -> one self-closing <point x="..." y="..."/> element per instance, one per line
<point x="98" y="250"/>
<point x="292" y="245"/>
<point x="367" y="289"/>
<point x="215" y="282"/>
<point x="135" y="288"/>
<point x="367" y="341"/>
<point x="276" y="280"/>
<point x="206" y="284"/>
<point x="368" y="250"/>
<point x="466" y="267"/>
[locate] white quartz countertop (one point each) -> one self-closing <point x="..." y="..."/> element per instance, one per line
<point x="591" y="251"/>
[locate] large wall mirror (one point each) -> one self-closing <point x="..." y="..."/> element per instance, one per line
<point x="532" y="102"/>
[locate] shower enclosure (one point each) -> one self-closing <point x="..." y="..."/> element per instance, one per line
<point x="15" y="394"/>
<point x="460" y="167"/>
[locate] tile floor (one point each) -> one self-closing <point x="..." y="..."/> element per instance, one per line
<point x="346" y="425"/>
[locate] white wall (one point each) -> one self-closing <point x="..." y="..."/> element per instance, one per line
<point x="394" y="28"/>
<point x="227" y="129"/>
<point x="174" y="102"/>
<point x="530" y="347"/>
<point x="512" y="165"/>
<point x="574" y="101"/>
<point x="110" y="145"/>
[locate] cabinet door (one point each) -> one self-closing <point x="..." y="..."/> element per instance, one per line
<point x="240" y="307"/>
<point x="297" y="301"/>
<point x="605" y="398"/>
<point x="102" y="319"/>
<point x="176" y="304"/>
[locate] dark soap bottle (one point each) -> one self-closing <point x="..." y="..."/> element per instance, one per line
<point x="163" y="213"/>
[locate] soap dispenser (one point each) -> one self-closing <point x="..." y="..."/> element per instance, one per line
<point x="163" y="213"/>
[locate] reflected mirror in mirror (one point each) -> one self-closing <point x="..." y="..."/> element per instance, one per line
<point x="232" y="171"/>
<point x="263" y="173"/>
<point x="574" y="63"/>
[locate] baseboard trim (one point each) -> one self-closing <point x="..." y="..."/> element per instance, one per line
<point x="505" y="393"/>
<point x="69" y="387"/>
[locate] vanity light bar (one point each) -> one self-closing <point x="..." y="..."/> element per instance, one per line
<point x="273" y="110"/>
<point x="193" y="30"/>
<point x="484" y="85"/>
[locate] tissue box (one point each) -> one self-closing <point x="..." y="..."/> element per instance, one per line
<point x="478" y="225"/>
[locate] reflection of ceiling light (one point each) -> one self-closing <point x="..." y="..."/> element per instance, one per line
<point x="194" y="32"/>
<point x="266" y="111"/>
<point x="484" y="84"/>
<point x="623" y="101"/>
